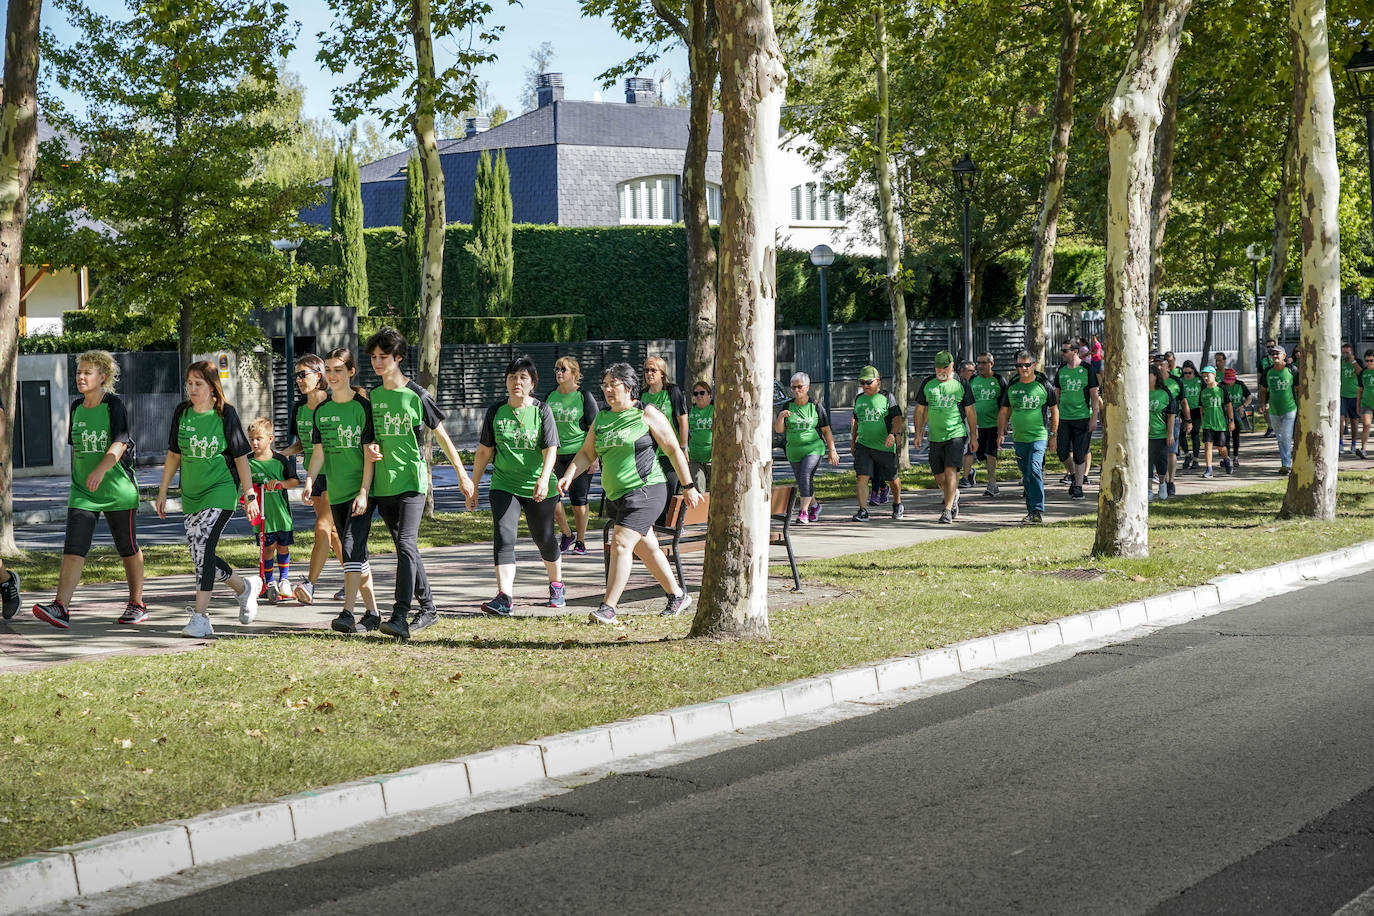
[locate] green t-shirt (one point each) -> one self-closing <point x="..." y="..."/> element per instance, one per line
<point x="1192" y="387"/>
<point x="1367" y="389"/>
<point x="872" y="415"/>
<point x="1350" y="378"/>
<point x="803" y="429"/>
<point x="276" y="510"/>
<point x="1028" y="402"/>
<point x="343" y="429"/>
<point x="1176" y="372"/>
<point x="1280" y="384"/>
<point x="700" y="421"/>
<point x="208" y="444"/>
<point x="626" y="449"/>
<point x="1073" y="383"/>
<point x="519" y="436"/>
<point x="1213" y="403"/>
<point x="90" y="432"/>
<point x="572" y="417"/>
<point x="987" y="399"/>
<point x="1161" y="404"/>
<point x="945" y="402"/>
<point x="670" y="402"/>
<point x="397" y="417"/>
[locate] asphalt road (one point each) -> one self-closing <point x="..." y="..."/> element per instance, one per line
<point x="1222" y="766"/>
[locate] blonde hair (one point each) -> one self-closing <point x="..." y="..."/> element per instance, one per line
<point x="102" y="362"/>
<point x="572" y="365"/>
<point x="657" y="362"/>
<point x="262" y="425"/>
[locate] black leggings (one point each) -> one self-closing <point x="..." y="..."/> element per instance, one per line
<point x="1159" y="457"/>
<point x="1235" y="440"/>
<point x="202" y="535"/>
<point x="81" y="531"/>
<point x="505" y="520"/>
<point x="670" y="476"/>
<point x="1196" y="433"/>
<point x="353" y="530"/>
<point x="401" y="514"/>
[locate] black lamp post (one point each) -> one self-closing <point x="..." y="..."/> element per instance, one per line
<point x="289" y="247"/>
<point x="1360" y="73"/>
<point x="965" y="176"/>
<point x="1254" y="253"/>
<point x="822" y="256"/>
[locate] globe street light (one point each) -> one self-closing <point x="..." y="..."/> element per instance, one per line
<point x="1360" y="73"/>
<point x="289" y="247"/>
<point x="822" y="256"/>
<point x="965" y="177"/>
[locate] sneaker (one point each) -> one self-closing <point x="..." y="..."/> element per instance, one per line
<point x="814" y="513"/>
<point x="396" y="625"/>
<point x="1235" y="462"/>
<point x="1163" y="492"/>
<point x="1227" y="467"/>
<point x="339" y="595"/>
<point x="499" y="606"/>
<point x="283" y="589"/>
<point x="265" y="591"/>
<point x="676" y="605"/>
<point x="54" y="613"/>
<point x="248" y="600"/>
<point x="579" y="548"/>
<point x="1067" y="478"/>
<point x="1285" y="471"/>
<point x="604" y="614"/>
<point x="344" y="623"/>
<point x="565" y="542"/>
<point x="945" y="517"/>
<point x="556" y="598"/>
<point x="992" y="491"/>
<point x="133" y="613"/>
<point x="1268" y="433"/>
<point x="9" y="595"/>
<point x="873" y="497"/>
<point x="803" y="518"/>
<point x="1037" y="518"/>
<point x="427" y="617"/>
<point x="954" y="509"/>
<point x="1207" y="474"/>
<point x="1076" y="492"/>
<point x="1029" y="519"/>
<point x="370" y="622"/>
<point x="884" y="495"/>
<point x="964" y="482"/>
<point x="305" y="592"/>
<point x="860" y="516"/>
<point x="973" y="478"/>
<point x="898" y="511"/>
<point x="1173" y="491"/>
<point x="198" y="627"/>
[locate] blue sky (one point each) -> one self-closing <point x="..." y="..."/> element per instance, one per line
<point x="582" y="48"/>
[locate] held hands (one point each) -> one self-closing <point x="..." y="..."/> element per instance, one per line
<point x="468" y="487"/>
<point x="470" y="499"/>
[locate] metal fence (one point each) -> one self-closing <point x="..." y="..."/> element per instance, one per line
<point x="150" y="386"/>
<point x="854" y="346"/>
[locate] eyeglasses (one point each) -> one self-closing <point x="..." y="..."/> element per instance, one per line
<point x="648" y="369"/>
<point x="699" y="394"/>
<point x="985" y="362"/>
<point x="798" y="387"/>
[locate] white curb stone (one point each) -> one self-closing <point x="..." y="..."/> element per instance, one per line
<point x="129" y="857"/>
<point x="699" y="721"/>
<point x="756" y="707"/>
<point x="975" y="653"/>
<point x="1044" y="636"/>
<point x="806" y="695"/>
<point x="1104" y="622"/>
<point x="238" y="831"/>
<point x="1132" y="615"/>
<point x="896" y="673"/>
<point x="572" y="752"/>
<point x="320" y="811"/>
<point x="1075" y="629"/>
<point x="503" y="768"/>
<point x="36" y="880"/>
<point x="938" y="663"/>
<point x="1008" y="646"/>
<point x="424" y="786"/>
<point x="853" y="683"/>
<point x="641" y="735"/>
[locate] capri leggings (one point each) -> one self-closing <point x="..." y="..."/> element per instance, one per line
<point x="81" y="531"/>
<point x="1196" y="434"/>
<point x="505" y="519"/>
<point x="1235" y="440"/>
<point x="202" y="534"/>
<point x="582" y="483"/>
<point x="805" y="472"/>
<point x="352" y="530"/>
<point x="1159" y="457"/>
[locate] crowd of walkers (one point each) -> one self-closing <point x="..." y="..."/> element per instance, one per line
<point x="365" y="450"/>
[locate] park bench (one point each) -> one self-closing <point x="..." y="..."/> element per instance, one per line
<point x="684" y="529"/>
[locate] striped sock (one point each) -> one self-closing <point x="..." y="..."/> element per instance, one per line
<point x="283" y="566"/>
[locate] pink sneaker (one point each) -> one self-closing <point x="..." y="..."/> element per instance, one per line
<point x="814" y="513"/>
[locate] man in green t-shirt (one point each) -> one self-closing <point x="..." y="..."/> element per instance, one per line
<point x="1280" y="385"/>
<point x="1182" y="419"/>
<point x="1350" y="396"/>
<point x="1079" y="408"/>
<point x="1366" y="401"/>
<point x="1027" y="402"/>
<point x="877" y="429"/>
<point x="987" y="387"/>
<point x="947" y="402"/>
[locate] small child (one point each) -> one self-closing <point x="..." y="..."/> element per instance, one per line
<point x="1218" y="419"/>
<point x="273" y="473"/>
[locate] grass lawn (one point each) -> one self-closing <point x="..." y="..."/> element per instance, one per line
<point x="97" y="747"/>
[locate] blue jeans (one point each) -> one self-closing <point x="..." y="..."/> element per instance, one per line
<point x="1282" y="424"/>
<point x="1030" y="458"/>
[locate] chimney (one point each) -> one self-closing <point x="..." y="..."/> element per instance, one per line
<point x="639" y="90"/>
<point x="549" y="89"/>
<point x="474" y="126"/>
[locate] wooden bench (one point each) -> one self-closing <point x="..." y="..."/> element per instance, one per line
<point x="684" y="529"/>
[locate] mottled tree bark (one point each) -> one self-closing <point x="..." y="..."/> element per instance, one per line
<point x="891" y="227"/>
<point x="1312" y="484"/>
<point x="1163" y="196"/>
<point x="1283" y="226"/>
<point x="701" y="249"/>
<point x="1130" y="120"/>
<point x="734" y="582"/>
<point x="1046" y="233"/>
<point x="18" y="152"/>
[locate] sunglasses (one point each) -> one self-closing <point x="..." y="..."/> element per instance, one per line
<point x="303" y="373"/>
<point x="699" y="394"/>
<point x="1025" y="365"/>
<point x="560" y="369"/>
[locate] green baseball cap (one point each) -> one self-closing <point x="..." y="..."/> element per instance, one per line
<point x="868" y="374"/>
<point x="943" y="358"/>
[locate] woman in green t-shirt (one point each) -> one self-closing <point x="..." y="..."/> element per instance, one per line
<point x="519" y="439"/>
<point x="98" y="432"/>
<point x="701" y="421"/>
<point x="207" y="445"/>
<point x="573" y="413"/>
<point x="623" y="439"/>
<point x="314" y="392"/>
<point x="659" y="392"/>
<point x="807" y="427"/>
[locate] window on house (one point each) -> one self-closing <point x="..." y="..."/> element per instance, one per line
<point x="657" y="199"/>
<point x="813" y="202"/>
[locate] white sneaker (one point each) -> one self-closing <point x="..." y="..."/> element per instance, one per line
<point x="248" y="599"/>
<point x="305" y="592"/>
<point x="283" y="588"/>
<point x="198" y="627"/>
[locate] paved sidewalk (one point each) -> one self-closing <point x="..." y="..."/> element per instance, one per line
<point x="462" y="575"/>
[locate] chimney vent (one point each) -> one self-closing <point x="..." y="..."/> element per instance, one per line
<point x="549" y="88"/>
<point x="640" y="90"/>
<point x="474" y="126"/>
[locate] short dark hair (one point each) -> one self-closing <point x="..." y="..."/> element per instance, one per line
<point x="625" y="374"/>
<point x="389" y="340"/>
<point x="523" y="364"/>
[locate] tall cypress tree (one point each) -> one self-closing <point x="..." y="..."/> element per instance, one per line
<point x="491" y="245"/>
<point x="413" y="239"/>
<point x="502" y="234"/>
<point x="349" y="287"/>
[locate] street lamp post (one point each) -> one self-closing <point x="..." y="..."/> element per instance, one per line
<point x="289" y="247"/>
<point x="1254" y="254"/>
<point x="965" y="176"/>
<point x="822" y="256"/>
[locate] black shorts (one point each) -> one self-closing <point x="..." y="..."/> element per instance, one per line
<point x="876" y="465"/>
<point x="279" y="538"/>
<point x="947" y="455"/>
<point x="1074" y="439"/>
<point x="321" y="486"/>
<point x="639" y="508"/>
<point x="81" y="531"/>
<point x="582" y="483"/>
<point x="1350" y="407"/>
<point x="988" y="442"/>
<point x="1215" y="436"/>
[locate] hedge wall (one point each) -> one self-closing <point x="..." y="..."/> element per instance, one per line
<point x="485" y="330"/>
